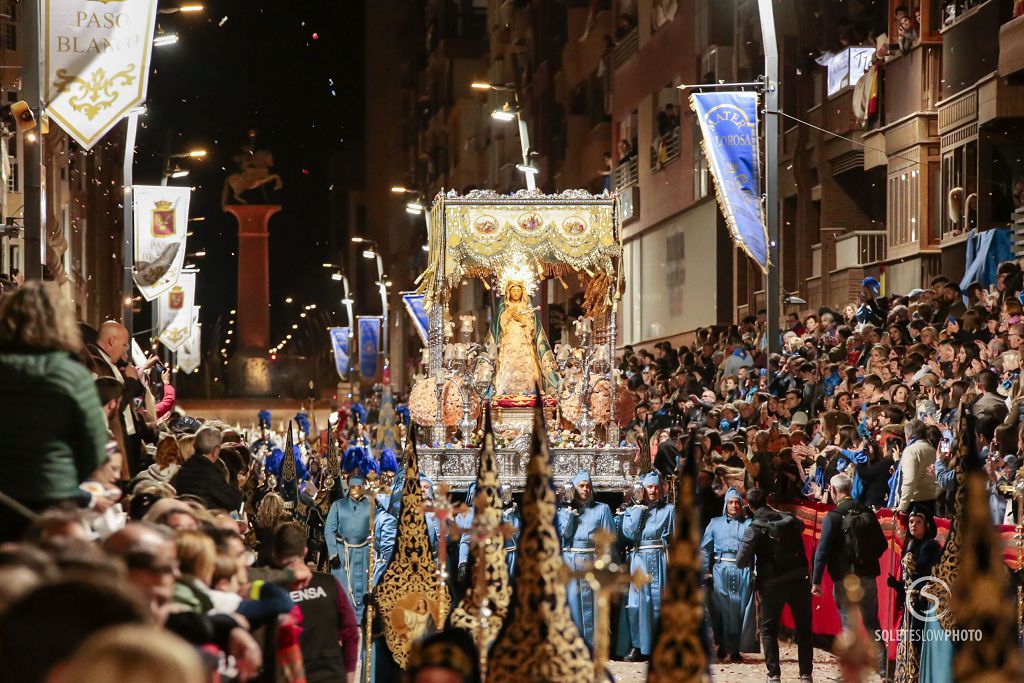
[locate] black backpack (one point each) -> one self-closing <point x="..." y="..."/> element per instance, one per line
<point x="786" y="542"/>
<point x="863" y="538"/>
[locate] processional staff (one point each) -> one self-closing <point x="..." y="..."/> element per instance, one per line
<point x="373" y="487"/>
<point x="604" y="576"/>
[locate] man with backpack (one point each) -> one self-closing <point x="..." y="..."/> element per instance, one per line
<point x="851" y="543"/>
<point x="773" y="544"/>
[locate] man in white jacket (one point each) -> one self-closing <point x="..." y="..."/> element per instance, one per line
<point x="916" y="484"/>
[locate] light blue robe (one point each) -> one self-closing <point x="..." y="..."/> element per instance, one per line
<point x="936" y="652"/>
<point x="509" y="516"/>
<point x="649" y="555"/>
<point x="577" y="534"/>
<point x="730" y="599"/>
<point x="347" y="533"/>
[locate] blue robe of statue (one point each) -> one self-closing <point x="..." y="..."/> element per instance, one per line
<point x="649" y="535"/>
<point x="347" y="532"/>
<point x="730" y="597"/>
<point x="576" y="532"/>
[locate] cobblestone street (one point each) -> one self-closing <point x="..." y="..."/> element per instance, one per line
<point x="750" y="671"/>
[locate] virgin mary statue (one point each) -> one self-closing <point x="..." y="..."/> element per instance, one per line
<point x="524" y="354"/>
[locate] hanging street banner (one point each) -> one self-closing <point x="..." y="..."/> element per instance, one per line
<point x="418" y="312"/>
<point x="175" y="312"/>
<point x="369" y="344"/>
<point x="190" y="353"/>
<point x="340" y="337"/>
<point x="97" y="62"/>
<point x="728" y="123"/>
<point x="161" y="223"/>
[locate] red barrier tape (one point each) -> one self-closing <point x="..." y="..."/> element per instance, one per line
<point x="824" y="610"/>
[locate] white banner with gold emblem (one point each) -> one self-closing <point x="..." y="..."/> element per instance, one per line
<point x="161" y="223"/>
<point x="175" y="311"/>
<point x="96" y="63"/>
<point x="190" y="353"/>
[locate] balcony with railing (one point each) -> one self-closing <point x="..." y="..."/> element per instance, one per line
<point x="970" y="44"/>
<point x="627" y="48"/>
<point x="665" y="149"/>
<point x="858" y="254"/>
<point x="1011" y="49"/>
<point x="913" y="82"/>
<point x="626" y="172"/>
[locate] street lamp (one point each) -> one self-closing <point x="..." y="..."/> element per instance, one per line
<point x="339" y="276"/>
<point x="372" y="251"/>
<point x="184" y="9"/>
<point x="506" y="113"/>
<point x="165" y="39"/>
<point x="512" y="111"/>
<point x="414" y="208"/>
<point x="177" y="172"/>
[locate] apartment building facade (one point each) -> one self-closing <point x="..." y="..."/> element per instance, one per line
<point x="884" y="177"/>
<point x="83" y="217"/>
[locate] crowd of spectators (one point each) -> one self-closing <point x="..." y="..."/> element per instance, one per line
<point x="873" y="391"/>
<point x="126" y="547"/>
<point x="165" y="534"/>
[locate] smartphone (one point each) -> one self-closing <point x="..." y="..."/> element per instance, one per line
<point x="817" y="440"/>
<point x="944" y="446"/>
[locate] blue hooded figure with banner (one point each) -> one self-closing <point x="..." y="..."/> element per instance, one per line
<point x="576" y="524"/>
<point x="647" y="527"/>
<point x="731" y="593"/>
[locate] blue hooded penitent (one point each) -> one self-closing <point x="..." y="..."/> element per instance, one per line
<point x="730" y="597"/>
<point x="731" y="494"/>
<point x="651" y="479"/>
<point x="351" y="458"/>
<point x="388" y="461"/>
<point x="302" y="420"/>
<point x="582" y="476"/>
<point x="872" y="284"/>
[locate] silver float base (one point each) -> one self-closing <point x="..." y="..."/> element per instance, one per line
<point x="610" y="468"/>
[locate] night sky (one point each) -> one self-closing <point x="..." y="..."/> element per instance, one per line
<point x="291" y="71"/>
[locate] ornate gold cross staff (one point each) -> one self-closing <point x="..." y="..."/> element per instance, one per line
<point x="479" y="612"/>
<point x="444" y="510"/>
<point x="604" y="577"/>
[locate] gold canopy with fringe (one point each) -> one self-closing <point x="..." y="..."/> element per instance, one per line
<point x="478" y="234"/>
<point x="539" y="641"/>
<point x="678" y="655"/>
<point x="489" y="581"/>
<point x="409" y="592"/>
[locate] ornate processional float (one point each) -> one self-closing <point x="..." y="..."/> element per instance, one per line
<point x="512" y="244"/>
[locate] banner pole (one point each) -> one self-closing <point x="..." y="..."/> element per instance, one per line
<point x="773" y="298"/>
<point x="32" y="84"/>
<point x="128" y="243"/>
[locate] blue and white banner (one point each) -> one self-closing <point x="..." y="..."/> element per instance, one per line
<point x="414" y="304"/>
<point x="728" y="122"/>
<point x="340" y="337"/>
<point x="369" y="344"/>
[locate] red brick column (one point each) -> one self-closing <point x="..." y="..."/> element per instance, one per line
<point x="253" y="274"/>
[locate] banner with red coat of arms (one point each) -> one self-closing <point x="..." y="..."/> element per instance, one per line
<point x="161" y="223"/>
